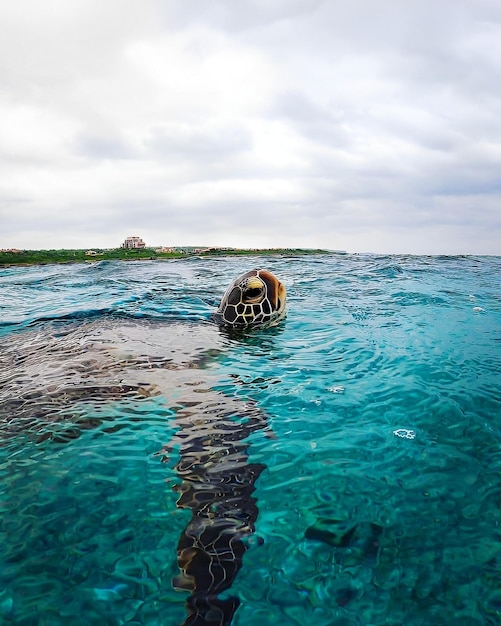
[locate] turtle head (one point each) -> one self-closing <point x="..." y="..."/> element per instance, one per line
<point x="254" y="299"/>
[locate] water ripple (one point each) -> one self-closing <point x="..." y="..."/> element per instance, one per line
<point x="352" y="453"/>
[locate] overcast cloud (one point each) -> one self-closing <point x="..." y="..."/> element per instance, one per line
<point x="363" y="126"/>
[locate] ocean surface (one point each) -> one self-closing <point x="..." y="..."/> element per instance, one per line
<point x="342" y="468"/>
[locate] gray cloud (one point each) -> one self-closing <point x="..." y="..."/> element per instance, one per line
<point x="363" y="126"/>
<point x="103" y="146"/>
<point x="198" y="143"/>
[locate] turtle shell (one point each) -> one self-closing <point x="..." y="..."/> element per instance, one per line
<point x="257" y="298"/>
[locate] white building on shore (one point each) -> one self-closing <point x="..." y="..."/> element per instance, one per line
<point x="133" y="242"/>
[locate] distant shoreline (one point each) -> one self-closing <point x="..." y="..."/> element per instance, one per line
<point x="65" y="257"/>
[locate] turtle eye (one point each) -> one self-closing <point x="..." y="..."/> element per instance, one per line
<point x="252" y="294"/>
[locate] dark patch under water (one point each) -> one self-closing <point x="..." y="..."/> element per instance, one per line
<point x="342" y="468"/>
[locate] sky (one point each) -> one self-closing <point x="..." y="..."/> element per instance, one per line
<point x="365" y="126"/>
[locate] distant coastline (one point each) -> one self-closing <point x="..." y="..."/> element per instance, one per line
<point x="46" y="257"/>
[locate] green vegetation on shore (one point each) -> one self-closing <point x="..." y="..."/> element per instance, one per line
<point x="42" y="257"/>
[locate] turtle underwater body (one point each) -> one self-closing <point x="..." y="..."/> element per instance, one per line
<point x="255" y="299"/>
<point x="105" y="358"/>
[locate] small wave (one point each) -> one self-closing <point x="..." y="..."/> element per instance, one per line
<point x="120" y="385"/>
<point x="404" y="433"/>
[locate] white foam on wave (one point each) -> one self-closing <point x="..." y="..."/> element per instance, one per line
<point x="404" y="433"/>
<point x="337" y="389"/>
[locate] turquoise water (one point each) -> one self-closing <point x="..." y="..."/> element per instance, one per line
<point x="358" y="444"/>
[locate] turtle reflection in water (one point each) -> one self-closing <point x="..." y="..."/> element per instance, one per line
<point x="217" y="486"/>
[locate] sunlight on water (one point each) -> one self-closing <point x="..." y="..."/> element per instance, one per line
<point x="344" y="466"/>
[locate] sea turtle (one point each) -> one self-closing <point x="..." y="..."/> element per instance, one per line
<point x="57" y="368"/>
<point x="255" y="299"/>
